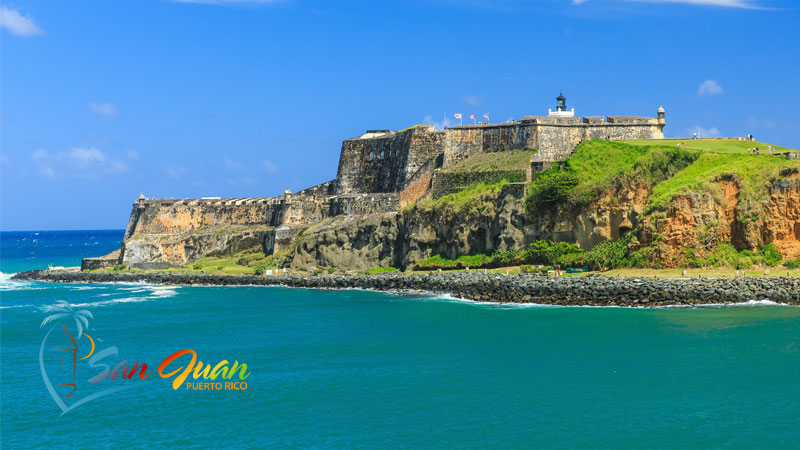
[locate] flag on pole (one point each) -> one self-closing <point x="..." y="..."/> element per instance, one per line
<point x="458" y="116"/>
<point x="472" y="117"/>
<point x="486" y="116"/>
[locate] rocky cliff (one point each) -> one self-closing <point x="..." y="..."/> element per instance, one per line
<point x="699" y="221"/>
<point x="673" y="206"/>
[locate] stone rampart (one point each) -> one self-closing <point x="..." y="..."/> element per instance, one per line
<point x="385" y="161"/>
<point x="445" y="183"/>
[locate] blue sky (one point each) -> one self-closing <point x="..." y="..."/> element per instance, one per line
<point x="103" y="100"/>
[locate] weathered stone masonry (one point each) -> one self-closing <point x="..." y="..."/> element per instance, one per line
<point x="378" y="172"/>
<point x="385" y="161"/>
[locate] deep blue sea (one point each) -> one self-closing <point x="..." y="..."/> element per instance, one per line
<point x="366" y="369"/>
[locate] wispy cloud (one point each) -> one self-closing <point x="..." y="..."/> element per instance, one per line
<point x="741" y="4"/>
<point x="710" y="87"/>
<point x="176" y="172"/>
<point x="78" y="162"/>
<point x="446" y="122"/>
<point x="704" y="132"/>
<point x="270" y="166"/>
<point x="231" y="164"/>
<point x="472" y="100"/>
<point x="103" y="109"/>
<point x="16" y="23"/>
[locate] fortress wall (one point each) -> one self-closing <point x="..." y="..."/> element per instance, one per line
<point x="363" y="204"/>
<point x="557" y="142"/>
<point x="326" y="188"/>
<point x="445" y="183"/>
<point x="181" y="216"/>
<point x="463" y="142"/>
<point x="384" y="163"/>
<point x="425" y="145"/>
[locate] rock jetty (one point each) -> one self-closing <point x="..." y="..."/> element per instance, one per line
<point x="592" y="290"/>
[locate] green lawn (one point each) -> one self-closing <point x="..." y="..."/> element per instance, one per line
<point x="599" y="164"/>
<point x="505" y="160"/>
<point x="235" y="264"/>
<point x="753" y="174"/>
<point x="713" y="145"/>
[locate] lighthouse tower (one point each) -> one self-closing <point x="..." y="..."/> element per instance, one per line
<point x="561" y="108"/>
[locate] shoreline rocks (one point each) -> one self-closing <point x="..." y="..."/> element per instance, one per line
<point x="592" y="290"/>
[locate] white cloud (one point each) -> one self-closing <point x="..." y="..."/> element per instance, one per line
<point x="756" y="123"/>
<point x="133" y="155"/>
<point x="176" y="172"/>
<point x="16" y="23"/>
<point x="270" y="166"/>
<point x="742" y="4"/>
<point x="78" y="162"/>
<point x="704" y="132"/>
<point x="446" y="122"/>
<point x="709" y="87"/>
<point x="103" y="109"/>
<point x="231" y="164"/>
<point x="472" y="100"/>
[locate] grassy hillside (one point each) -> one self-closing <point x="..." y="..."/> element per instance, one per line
<point x="505" y="160"/>
<point x="754" y="174"/>
<point x="713" y="145"/>
<point x="597" y="166"/>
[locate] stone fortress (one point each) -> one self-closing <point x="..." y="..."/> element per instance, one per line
<point x="379" y="172"/>
<point x="386" y="161"/>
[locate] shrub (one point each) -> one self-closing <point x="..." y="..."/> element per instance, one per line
<point x="376" y="270"/>
<point x="506" y="257"/>
<point x="197" y="266"/>
<point x="727" y="255"/>
<point x="525" y="268"/>
<point x="331" y="269"/>
<point x="792" y="264"/>
<point x="608" y="255"/>
<point x="551" y="253"/>
<point x="551" y="186"/>
<point x="318" y="272"/>
<point x="119" y="267"/>
<point x="770" y="255"/>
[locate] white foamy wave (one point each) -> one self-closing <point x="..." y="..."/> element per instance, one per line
<point x="17" y="306"/>
<point x="747" y="304"/>
<point x="501" y="305"/>
<point x="85" y="288"/>
<point x="7" y="284"/>
<point x="111" y="302"/>
<point x="163" y="294"/>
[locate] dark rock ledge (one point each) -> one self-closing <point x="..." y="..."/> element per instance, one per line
<point x="595" y="290"/>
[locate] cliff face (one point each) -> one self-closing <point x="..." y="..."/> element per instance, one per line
<point x="401" y="239"/>
<point x="610" y="217"/>
<point x="780" y="223"/>
<point x="698" y="221"/>
<point x="182" y="231"/>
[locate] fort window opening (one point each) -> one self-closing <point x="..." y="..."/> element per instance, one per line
<point x="371" y="156"/>
<point x="381" y="154"/>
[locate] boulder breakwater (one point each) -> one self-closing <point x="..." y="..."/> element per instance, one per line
<point x="591" y="290"/>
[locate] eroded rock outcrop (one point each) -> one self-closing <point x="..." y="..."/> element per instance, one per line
<point x="401" y="239"/>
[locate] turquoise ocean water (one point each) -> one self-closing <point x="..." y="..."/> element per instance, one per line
<point x="367" y="369"/>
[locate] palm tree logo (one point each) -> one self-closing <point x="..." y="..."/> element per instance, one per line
<point x="63" y="310"/>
